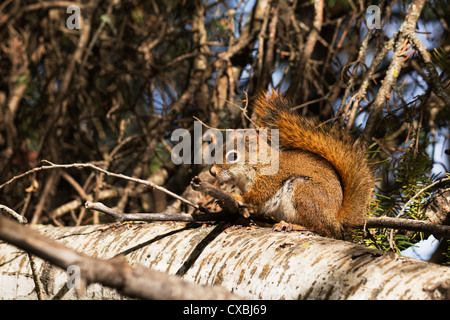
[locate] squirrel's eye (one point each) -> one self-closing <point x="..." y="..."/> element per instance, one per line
<point x="232" y="156"/>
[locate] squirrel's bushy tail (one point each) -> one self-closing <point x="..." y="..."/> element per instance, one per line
<point x="347" y="156"/>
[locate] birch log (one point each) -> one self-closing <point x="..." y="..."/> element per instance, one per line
<point x="254" y="263"/>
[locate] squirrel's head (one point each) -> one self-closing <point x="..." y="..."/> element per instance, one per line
<point x="243" y="157"/>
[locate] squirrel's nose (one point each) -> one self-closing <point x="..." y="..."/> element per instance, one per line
<point x="213" y="171"/>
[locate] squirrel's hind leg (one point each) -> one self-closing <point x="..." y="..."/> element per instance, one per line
<point x="287" y="226"/>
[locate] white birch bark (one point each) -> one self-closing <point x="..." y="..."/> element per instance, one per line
<point x="253" y="263"/>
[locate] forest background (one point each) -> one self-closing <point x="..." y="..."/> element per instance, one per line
<point x="108" y="84"/>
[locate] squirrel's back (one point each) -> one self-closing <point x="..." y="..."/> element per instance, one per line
<point x="347" y="156"/>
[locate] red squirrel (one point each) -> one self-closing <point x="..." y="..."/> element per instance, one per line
<point x="324" y="181"/>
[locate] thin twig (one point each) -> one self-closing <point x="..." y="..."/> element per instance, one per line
<point x="308" y="49"/>
<point x="391" y="235"/>
<point x="206" y="126"/>
<point x="393" y="72"/>
<point x="325" y="97"/>
<point x="167" y="215"/>
<point x="243" y="109"/>
<point x="419" y="193"/>
<point x="433" y="78"/>
<point x="108" y="173"/>
<point x="14" y="214"/>
<point x="227" y="201"/>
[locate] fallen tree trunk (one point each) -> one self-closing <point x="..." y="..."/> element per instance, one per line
<point x="254" y="263"/>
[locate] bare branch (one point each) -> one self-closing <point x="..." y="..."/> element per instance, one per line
<point x="438" y="230"/>
<point x="435" y="83"/>
<point x="419" y="193"/>
<point x="167" y="215"/>
<point x="14" y="214"/>
<point x="307" y="49"/>
<point x="414" y="10"/>
<point x="108" y="173"/>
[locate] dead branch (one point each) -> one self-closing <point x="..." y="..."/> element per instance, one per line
<point x="13" y="214"/>
<point x="307" y="50"/>
<point x="420" y="192"/>
<point x="227" y="201"/>
<point x="433" y="77"/>
<point x="407" y="27"/>
<point x="438" y="230"/>
<point x="167" y="215"/>
<point x="108" y="173"/>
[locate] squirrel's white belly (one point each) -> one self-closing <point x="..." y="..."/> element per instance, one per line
<point x="280" y="206"/>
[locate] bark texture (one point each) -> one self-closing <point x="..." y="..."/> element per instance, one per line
<point x="254" y="263"/>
